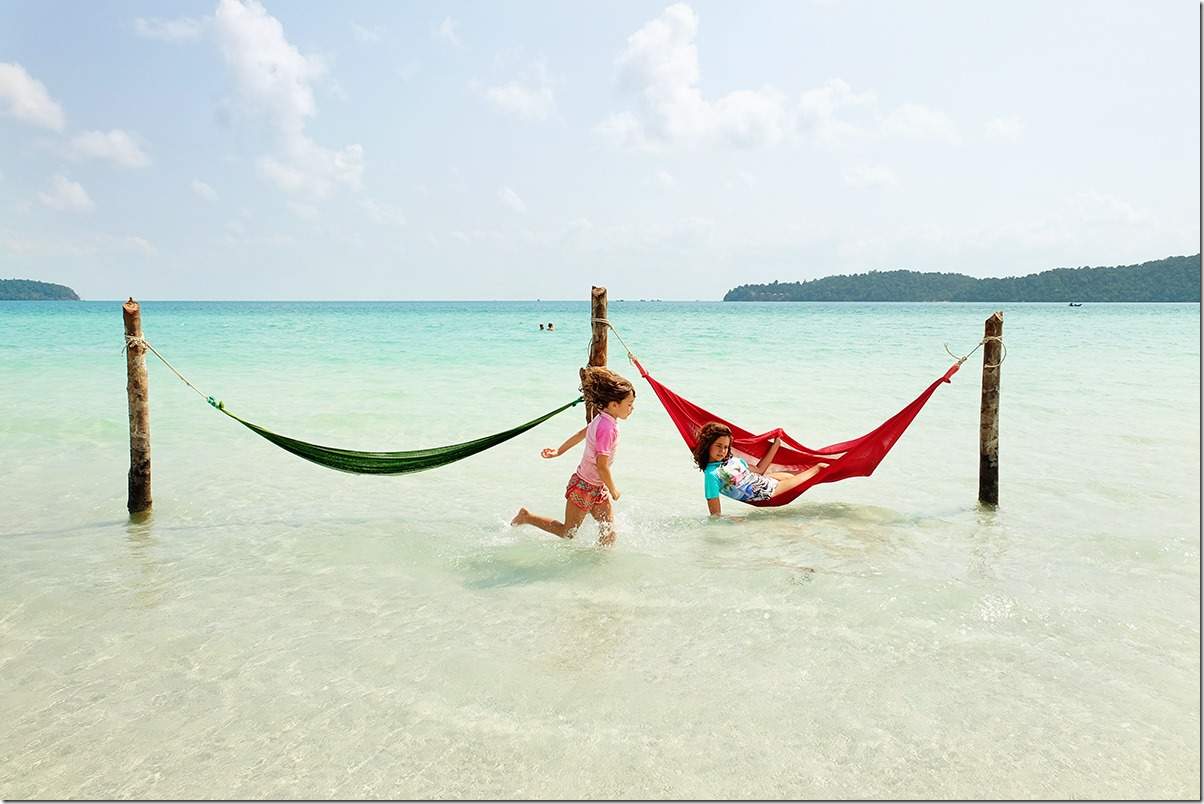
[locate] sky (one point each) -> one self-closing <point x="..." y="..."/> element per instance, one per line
<point x="521" y="150"/>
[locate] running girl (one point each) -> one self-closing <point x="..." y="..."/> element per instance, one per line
<point x="613" y="398"/>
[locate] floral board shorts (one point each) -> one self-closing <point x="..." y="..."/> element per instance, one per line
<point x="583" y="494"/>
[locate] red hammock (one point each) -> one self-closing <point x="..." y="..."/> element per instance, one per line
<point x="856" y="458"/>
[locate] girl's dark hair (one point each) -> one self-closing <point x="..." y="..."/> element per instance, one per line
<point x="708" y="435"/>
<point x="601" y="386"/>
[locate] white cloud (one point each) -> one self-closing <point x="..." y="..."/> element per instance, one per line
<point x="116" y="146"/>
<point x="204" y="190"/>
<point x="623" y="130"/>
<point x="305" y="212"/>
<point x="870" y="176"/>
<point x="368" y="35"/>
<point x="268" y="240"/>
<point x="275" y="77"/>
<point x="823" y="113"/>
<point x="749" y="119"/>
<point x="913" y="121"/>
<point x="138" y="244"/>
<point x="306" y="168"/>
<point x="20" y="246"/>
<point x="285" y="176"/>
<point x="383" y="213"/>
<point x="76" y="247"/>
<point x="66" y="195"/>
<point x="660" y="65"/>
<point x="740" y="180"/>
<point x="526" y="101"/>
<point x="1005" y="129"/>
<point x="269" y="71"/>
<point x="24" y="97"/>
<point x="818" y="108"/>
<point x="665" y="179"/>
<point x="511" y="200"/>
<point x="409" y="71"/>
<point x="170" y="30"/>
<point x="447" y="32"/>
<point x="1092" y="208"/>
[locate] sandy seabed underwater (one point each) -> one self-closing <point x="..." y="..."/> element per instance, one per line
<point x="279" y="630"/>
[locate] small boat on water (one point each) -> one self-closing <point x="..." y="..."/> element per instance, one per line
<point x="1076" y="304"/>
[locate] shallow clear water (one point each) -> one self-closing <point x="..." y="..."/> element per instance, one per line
<point x="278" y="630"/>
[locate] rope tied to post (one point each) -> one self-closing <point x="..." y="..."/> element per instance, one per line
<point x="965" y="357"/>
<point x="143" y="343"/>
<point x="606" y="322"/>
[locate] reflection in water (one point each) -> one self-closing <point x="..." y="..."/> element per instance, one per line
<point x="989" y="543"/>
<point x="530" y="563"/>
<point x="150" y="582"/>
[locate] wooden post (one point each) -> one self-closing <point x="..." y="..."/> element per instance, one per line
<point x="988" y="430"/>
<point x="137" y="391"/>
<point x="597" y="344"/>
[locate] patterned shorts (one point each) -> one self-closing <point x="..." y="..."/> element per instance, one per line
<point x="583" y="494"/>
<point x="762" y="488"/>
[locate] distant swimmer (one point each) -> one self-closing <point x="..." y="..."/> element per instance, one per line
<point x="551" y="326"/>
<point x="541" y="327"/>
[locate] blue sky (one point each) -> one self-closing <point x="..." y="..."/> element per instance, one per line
<point x="384" y="150"/>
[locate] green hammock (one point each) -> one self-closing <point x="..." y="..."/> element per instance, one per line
<point x="388" y="463"/>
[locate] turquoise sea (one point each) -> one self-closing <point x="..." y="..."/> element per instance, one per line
<point x="278" y="630"/>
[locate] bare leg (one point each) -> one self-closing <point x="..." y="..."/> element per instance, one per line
<point x="604" y="514"/>
<point x="787" y="481"/>
<point x="573" y="517"/>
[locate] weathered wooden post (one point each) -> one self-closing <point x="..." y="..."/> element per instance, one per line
<point x="988" y="430"/>
<point x="137" y="390"/>
<point x="597" y="343"/>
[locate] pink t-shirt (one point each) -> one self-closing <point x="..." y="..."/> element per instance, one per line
<point x="601" y="438"/>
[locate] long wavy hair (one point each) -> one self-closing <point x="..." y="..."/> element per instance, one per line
<point x="708" y="435"/>
<point x="601" y="386"/>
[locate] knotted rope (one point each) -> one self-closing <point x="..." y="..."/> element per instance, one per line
<point x="1003" y="355"/>
<point x="606" y="322"/>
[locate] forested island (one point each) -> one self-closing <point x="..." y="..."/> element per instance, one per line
<point x="1174" y="279"/>
<point x="31" y="290"/>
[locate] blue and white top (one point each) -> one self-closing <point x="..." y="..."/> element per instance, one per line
<point x="732" y="478"/>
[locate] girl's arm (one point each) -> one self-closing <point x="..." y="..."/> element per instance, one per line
<point x="767" y="461"/>
<point x="603" y="464"/>
<point x="713" y="507"/>
<point x="573" y="440"/>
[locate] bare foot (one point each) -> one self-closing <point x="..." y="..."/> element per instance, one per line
<point x="520" y="518"/>
<point x="810" y="473"/>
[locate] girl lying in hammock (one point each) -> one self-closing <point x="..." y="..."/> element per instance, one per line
<point x="731" y="476"/>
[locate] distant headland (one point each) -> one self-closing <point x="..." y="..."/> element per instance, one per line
<point x="31" y="290"/>
<point x="1174" y="279"/>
